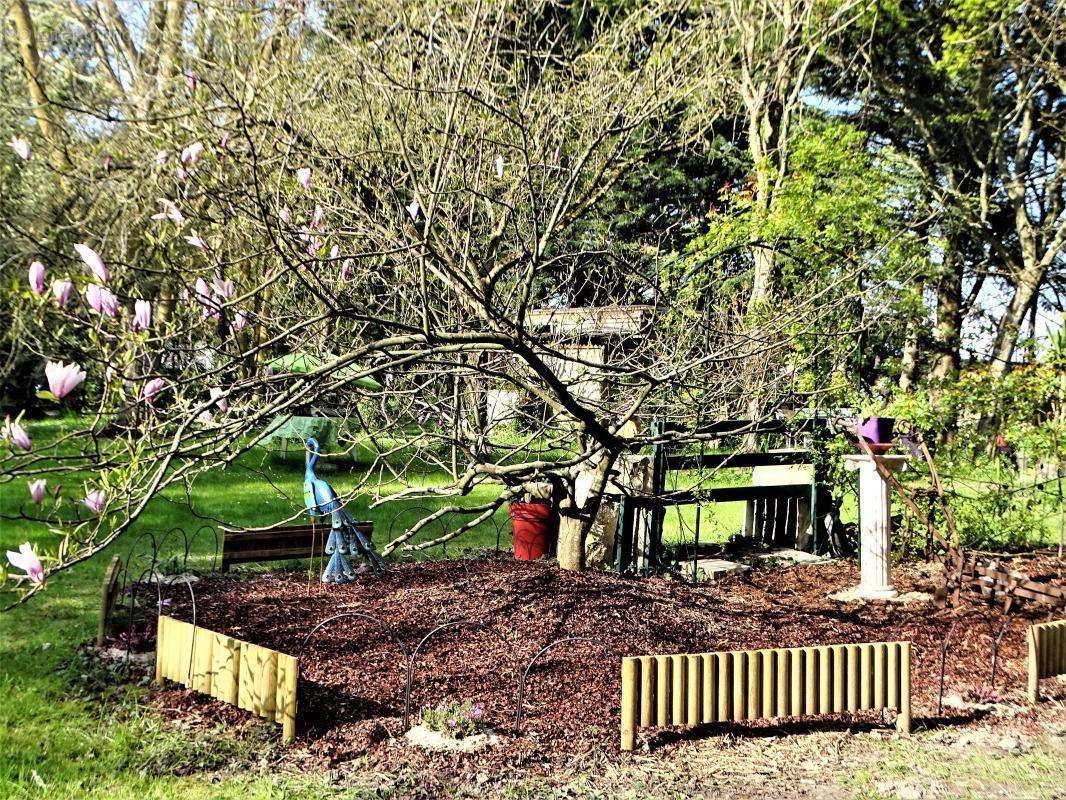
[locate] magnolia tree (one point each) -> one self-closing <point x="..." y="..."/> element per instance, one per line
<point x="396" y="209"/>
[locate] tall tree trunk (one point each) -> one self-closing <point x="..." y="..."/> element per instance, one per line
<point x="31" y="65"/>
<point x="1025" y="296"/>
<point x="948" y="330"/>
<point x="908" y="367"/>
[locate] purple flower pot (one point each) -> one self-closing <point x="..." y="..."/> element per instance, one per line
<point x="877" y="431"/>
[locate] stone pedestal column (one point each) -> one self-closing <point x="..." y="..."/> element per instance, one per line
<point x="875" y="524"/>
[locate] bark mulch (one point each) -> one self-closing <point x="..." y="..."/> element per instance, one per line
<point x="352" y="670"/>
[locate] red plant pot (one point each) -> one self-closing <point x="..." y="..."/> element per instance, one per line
<point x="535" y="527"/>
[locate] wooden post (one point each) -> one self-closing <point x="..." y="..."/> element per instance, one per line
<point x="647" y="691"/>
<point x="692" y="669"/>
<point x="288" y="678"/>
<point x="107" y="597"/>
<point x="160" y="642"/>
<point x="629" y="704"/>
<point x="1034" y="665"/>
<point x="903" y="721"/>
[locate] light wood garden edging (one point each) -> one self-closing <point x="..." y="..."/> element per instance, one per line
<point x="691" y="689"/>
<point x="246" y="675"/>
<point x="1047" y="654"/>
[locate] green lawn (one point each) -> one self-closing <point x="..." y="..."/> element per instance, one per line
<point x="57" y="741"/>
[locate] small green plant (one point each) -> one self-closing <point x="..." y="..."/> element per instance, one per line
<point x="457" y="720"/>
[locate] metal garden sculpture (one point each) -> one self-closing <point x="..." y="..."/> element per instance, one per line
<point x="344" y="537"/>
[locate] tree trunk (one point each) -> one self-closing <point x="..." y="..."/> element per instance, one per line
<point x="948" y="330"/>
<point x="571" y="549"/>
<point x="908" y="366"/>
<point x="1025" y="295"/>
<point x="31" y="65"/>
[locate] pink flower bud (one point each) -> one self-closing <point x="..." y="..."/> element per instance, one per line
<point x="142" y="316"/>
<point x="37" y="489"/>
<point x="21" y="146"/>
<point x="13" y="432"/>
<point x="191" y="154"/>
<point x="94" y="500"/>
<point x="303" y="177"/>
<point x="37" y="278"/>
<point x="61" y="290"/>
<point x="152" y="388"/>
<point x="93" y="262"/>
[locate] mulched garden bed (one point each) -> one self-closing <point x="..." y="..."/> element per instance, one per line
<point x="352" y="687"/>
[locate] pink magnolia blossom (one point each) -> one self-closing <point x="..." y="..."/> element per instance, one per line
<point x="142" y="316"/>
<point x="21" y="146"/>
<point x="240" y="319"/>
<point x="205" y="417"/>
<point x="203" y="296"/>
<point x="93" y="262"/>
<point x="224" y="140"/>
<point x="101" y="300"/>
<point x="191" y="154"/>
<point x="14" y="432"/>
<point x="182" y="174"/>
<point x="92" y="296"/>
<point x="37" y="489"/>
<point x="171" y="212"/>
<point x="152" y="388"/>
<point x="222" y="288"/>
<point x="63" y="378"/>
<point x="26" y="559"/>
<point x="317" y="218"/>
<point x="334" y="251"/>
<point x="196" y="241"/>
<point x="221" y="402"/>
<point x="268" y="371"/>
<point x="61" y="290"/>
<point x="37" y="278"/>
<point x="303" y="177"/>
<point x="161" y="158"/>
<point x="284" y="215"/>
<point x="413" y="208"/>
<point x="346" y="269"/>
<point x="94" y="500"/>
<point x="191" y="81"/>
<point x="314" y="244"/>
<point x="498" y="164"/>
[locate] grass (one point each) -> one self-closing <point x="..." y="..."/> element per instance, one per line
<point x="57" y="742"/>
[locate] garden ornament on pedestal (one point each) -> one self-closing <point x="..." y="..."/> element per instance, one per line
<point x="344" y="537"/>
<point x="877" y="431"/>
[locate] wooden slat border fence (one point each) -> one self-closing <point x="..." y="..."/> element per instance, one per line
<point x="246" y="675"/>
<point x="692" y="689"/>
<point x="1047" y="654"/>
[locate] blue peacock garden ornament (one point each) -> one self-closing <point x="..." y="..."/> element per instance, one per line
<point x="344" y="537"/>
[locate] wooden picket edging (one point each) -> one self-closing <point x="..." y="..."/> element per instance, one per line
<point x="246" y="675"/>
<point x="691" y="689"/>
<point x="1047" y="654"/>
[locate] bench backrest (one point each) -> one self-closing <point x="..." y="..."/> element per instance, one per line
<point x="278" y="544"/>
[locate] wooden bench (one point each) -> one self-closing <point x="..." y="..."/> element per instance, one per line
<point x="283" y="543"/>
